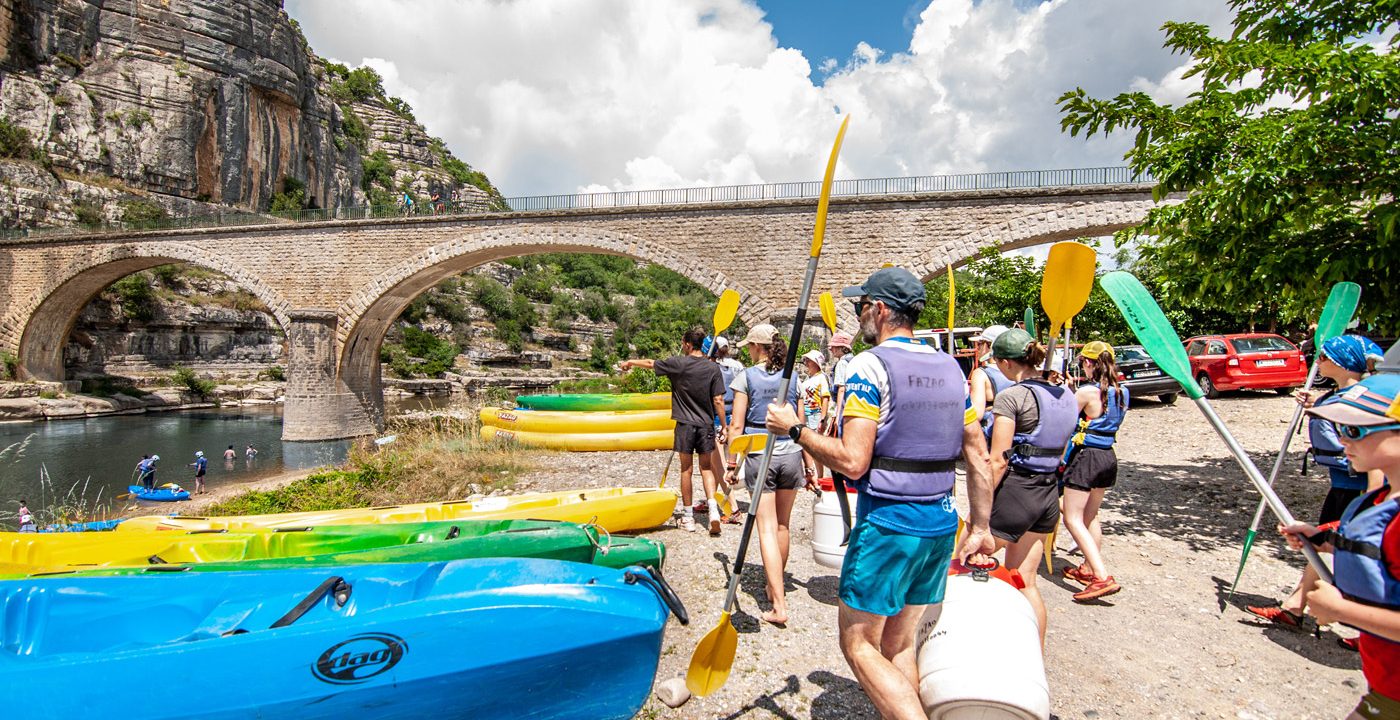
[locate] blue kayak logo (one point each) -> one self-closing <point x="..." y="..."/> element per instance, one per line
<point x="360" y="658"/>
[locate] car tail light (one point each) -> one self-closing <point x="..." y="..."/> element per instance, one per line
<point x="1121" y="376"/>
<point x="1233" y="362"/>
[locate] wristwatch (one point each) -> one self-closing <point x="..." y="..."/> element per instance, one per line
<point x="795" y="431"/>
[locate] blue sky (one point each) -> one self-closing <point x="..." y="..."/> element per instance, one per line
<point x="830" y="29"/>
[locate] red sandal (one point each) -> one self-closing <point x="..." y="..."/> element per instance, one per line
<point x="1276" y="614"/>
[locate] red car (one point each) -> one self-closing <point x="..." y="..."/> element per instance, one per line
<point x="1260" y="361"/>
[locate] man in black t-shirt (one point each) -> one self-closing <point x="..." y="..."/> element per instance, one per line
<point x="697" y="398"/>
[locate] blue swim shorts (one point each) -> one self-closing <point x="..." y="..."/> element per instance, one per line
<point x="885" y="570"/>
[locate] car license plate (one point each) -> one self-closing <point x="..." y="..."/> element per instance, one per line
<point x="1147" y="373"/>
<point x="1270" y="363"/>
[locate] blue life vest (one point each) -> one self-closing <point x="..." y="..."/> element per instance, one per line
<point x="727" y="374"/>
<point x="1326" y="449"/>
<point x="1000" y="382"/>
<point x="919" y="442"/>
<point x="763" y="389"/>
<point x="1102" y="430"/>
<point x="1361" y="568"/>
<point x="1039" y="451"/>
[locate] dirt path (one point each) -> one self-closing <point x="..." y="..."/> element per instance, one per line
<point x="1162" y="648"/>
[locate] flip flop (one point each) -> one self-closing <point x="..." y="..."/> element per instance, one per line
<point x="736" y="518"/>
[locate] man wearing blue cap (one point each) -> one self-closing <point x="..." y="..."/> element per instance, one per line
<point x="1366" y="541"/>
<point x="906" y="421"/>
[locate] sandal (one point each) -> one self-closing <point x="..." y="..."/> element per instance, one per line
<point x="736" y="518"/>
<point x="1276" y="614"/>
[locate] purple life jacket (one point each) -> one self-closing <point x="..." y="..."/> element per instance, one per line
<point x="1038" y="452"/>
<point x="1362" y="572"/>
<point x="918" y="445"/>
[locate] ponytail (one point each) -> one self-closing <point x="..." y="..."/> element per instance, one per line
<point x="1035" y="356"/>
<point x="1104" y="371"/>
<point x="777" y="354"/>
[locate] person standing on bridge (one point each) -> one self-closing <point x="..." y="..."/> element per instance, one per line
<point x="905" y="424"/>
<point x="697" y="398"/>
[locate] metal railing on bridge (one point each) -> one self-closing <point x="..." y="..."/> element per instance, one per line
<point x="1016" y="179"/>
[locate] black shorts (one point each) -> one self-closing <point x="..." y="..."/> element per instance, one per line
<point x="1092" y="468"/>
<point x="1335" y="504"/>
<point x="784" y="472"/>
<point x="1025" y="503"/>
<point x="694" y="439"/>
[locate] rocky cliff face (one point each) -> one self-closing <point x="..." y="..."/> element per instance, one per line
<point x="188" y="105"/>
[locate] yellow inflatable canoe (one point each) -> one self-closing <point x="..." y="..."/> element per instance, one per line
<point x="554" y="421"/>
<point x="585" y="442"/>
<point x="616" y="510"/>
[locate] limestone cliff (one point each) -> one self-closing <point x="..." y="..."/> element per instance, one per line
<point x="186" y="107"/>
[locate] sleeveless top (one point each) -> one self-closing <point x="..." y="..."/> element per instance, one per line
<point x="917" y="445"/>
<point x="1103" y="430"/>
<point x="1039" y="451"/>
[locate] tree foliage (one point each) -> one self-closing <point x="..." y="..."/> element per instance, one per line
<point x="1286" y="156"/>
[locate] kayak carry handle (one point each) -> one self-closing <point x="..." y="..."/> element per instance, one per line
<point x="453" y="533"/>
<point x="658" y="583"/>
<point x="335" y="585"/>
<point x="156" y="560"/>
<point x="206" y="531"/>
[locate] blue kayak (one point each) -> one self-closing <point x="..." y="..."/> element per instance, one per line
<point x="90" y="526"/>
<point x="160" y="494"/>
<point x="486" y="638"/>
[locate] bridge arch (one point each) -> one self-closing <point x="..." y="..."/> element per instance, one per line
<point x="37" y="328"/>
<point x="367" y="316"/>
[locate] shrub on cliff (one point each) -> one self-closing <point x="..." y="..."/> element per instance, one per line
<point x="15" y="142"/>
<point x="142" y="213"/>
<point x="136" y="296"/>
<point x="185" y="377"/>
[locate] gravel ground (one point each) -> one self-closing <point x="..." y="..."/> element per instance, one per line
<point x="1167" y="646"/>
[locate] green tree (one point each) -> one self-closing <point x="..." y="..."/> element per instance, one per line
<point x="1287" y="157"/>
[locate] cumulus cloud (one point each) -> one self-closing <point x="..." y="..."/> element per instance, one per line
<point x="566" y="95"/>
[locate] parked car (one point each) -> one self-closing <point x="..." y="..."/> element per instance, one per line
<point x="1139" y="373"/>
<point x="1261" y="361"/>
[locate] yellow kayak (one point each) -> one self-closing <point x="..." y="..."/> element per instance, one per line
<point x="585" y="442"/>
<point x="554" y="421"/>
<point x="616" y="510"/>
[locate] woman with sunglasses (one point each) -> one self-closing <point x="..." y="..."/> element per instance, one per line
<point x="1366" y="541"/>
<point x="1093" y="467"/>
<point x="1344" y="359"/>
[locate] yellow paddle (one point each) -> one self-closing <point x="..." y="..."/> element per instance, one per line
<point x="725" y="310"/>
<point x="828" y="308"/>
<point x="709" y="666"/>
<point x="1064" y="289"/>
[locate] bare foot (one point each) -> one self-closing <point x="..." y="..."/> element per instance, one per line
<point x="775" y="617"/>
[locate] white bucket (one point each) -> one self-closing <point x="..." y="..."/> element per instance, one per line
<point x="827" y="529"/>
<point x="979" y="655"/>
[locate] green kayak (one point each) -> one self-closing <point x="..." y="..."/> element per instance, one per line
<point x="596" y="402"/>
<point x="343" y="545"/>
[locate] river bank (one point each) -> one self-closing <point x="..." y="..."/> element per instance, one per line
<point x="55" y="401"/>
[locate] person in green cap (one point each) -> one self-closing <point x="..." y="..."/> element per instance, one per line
<point x="1032" y="423"/>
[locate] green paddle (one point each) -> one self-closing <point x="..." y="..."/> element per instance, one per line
<point x="1156" y="335"/>
<point x="1029" y="321"/>
<point x="714" y="656"/>
<point x="1336" y="315"/>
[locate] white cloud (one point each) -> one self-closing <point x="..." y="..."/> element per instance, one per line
<point x="553" y="96"/>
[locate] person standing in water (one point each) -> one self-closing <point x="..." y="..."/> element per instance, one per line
<point x="201" y="466"/>
<point x="1093" y="467"/>
<point x="250" y="453"/>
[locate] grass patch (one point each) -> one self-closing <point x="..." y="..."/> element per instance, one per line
<point x="433" y="461"/>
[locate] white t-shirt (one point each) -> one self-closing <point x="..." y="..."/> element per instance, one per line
<point x="842" y="373"/>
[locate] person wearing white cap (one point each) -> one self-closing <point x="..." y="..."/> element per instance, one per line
<point x="986" y="380"/>
<point x="816" y="403"/>
<point x="200" y="465"/>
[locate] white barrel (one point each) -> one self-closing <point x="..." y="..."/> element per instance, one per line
<point x="979" y="655"/>
<point x="827" y="529"/>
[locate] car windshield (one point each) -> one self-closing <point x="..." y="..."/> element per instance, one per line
<point x="1268" y="343"/>
<point x="1132" y="354"/>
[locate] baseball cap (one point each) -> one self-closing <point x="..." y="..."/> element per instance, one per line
<point x="840" y="340"/>
<point x="815" y="356"/>
<point x="761" y="334"/>
<point x="990" y="334"/>
<point x="1012" y="344"/>
<point x="1364" y="403"/>
<point x="1096" y="348"/>
<point x="894" y="286"/>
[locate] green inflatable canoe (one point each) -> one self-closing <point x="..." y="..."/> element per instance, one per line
<point x="166" y="551"/>
<point x="591" y="403"/>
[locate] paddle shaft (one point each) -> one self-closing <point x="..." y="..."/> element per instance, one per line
<point x="763" y="464"/>
<point x="1270" y="497"/>
<point x="1283" y="449"/>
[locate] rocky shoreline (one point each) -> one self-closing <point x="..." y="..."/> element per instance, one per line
<point x="21" y="402"/>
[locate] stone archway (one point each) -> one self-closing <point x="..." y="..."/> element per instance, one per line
<point x="367" y="315"/>
<point x="45" y="320"/>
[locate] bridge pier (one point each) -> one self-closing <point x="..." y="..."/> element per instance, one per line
<point x="319" y="406"/>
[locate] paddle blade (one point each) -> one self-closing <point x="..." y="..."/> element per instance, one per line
<point x="828" y="308"/>
<point x="1069" y="276"/>
<point x="745" y="444"/>
<point x="709" y="666"/>
<point x="1050" y="552"/>
<point x="1151" y="327"/>
<point x="725" y="310"/>
<point x="1029" y="321"/>
<point x="1244" y="555"/>
<point x="820" y="231"/>
<point x="952" y="300"/>
<point x="1337" y="313"/>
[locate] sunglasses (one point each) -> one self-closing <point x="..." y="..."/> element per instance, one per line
<point x="1358" y="432"/>
<point x="862" y="303"/>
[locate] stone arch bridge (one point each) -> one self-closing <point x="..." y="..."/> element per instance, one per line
<point x="336" y="286"/>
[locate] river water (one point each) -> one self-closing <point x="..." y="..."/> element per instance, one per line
<point x="84" y="462"/>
